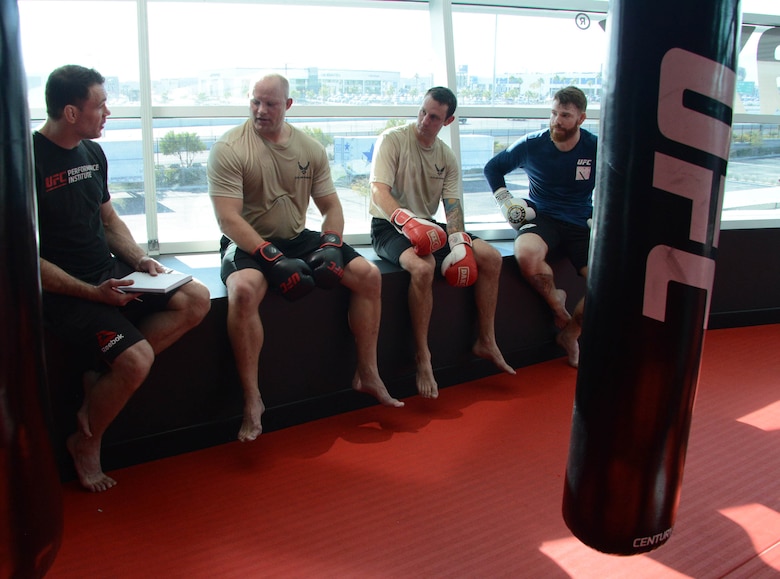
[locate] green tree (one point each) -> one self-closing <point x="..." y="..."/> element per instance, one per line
<point x="318" y="135"/>
<point x="183" y="145"/>
<point x="392" y="123"/>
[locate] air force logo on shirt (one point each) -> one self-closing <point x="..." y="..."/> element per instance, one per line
<point x="583" y="169"/>
<point x="304" y="171"/>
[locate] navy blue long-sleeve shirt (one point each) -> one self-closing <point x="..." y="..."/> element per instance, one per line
<point x="560" y="183"/>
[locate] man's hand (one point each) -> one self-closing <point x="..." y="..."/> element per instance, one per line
<point x="111" y="292"/>
<point x="150" y="266"/>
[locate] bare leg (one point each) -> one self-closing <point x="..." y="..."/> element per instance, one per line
<point x="420" y="308"/>
<point x="186" y="309"/>
<point x="486" y="297"/>
<point x="88" y="381"/>
<point x="568" y="337"/>
<point x="107" y="397"/>
<point x="365" y="310"/>
<point x="246" y="289"/>
<point x="531" y="252"/>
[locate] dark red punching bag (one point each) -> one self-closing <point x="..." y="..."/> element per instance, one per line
<point x="663" y="145"/>
<point x="30" y="492"/>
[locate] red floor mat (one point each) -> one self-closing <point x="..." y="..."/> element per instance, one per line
<point x="468" y="485"/>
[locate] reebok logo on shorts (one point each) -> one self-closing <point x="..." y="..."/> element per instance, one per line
<point x="107" y="340"/>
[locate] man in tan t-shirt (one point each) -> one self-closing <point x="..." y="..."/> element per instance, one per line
<point x="412" y="171"/>
<point x="261" y="177"/>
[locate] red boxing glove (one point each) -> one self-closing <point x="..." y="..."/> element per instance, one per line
<point x="460" y="267"/>
<point x="426" y="236"/>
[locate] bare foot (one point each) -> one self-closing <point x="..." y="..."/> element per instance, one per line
<point x="88" y="382"/>
<point x="252" y="426"/>
<point x="492" y="353"/>
<point x="562" y="316"/>
<point x="567" y="339"/>
<point x="86" y="459"/>
<point x="426" y="383"/>
<point x="376" y="388"/>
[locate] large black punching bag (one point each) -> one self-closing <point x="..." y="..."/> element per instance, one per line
<point x="30" y="492"/>
<point x="663" y="145"/>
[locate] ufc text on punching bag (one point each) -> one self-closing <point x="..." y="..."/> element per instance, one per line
<point x="30" y="492"/>
<point x="663" y="147"/>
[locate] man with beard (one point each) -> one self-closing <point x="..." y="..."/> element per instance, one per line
<point x="560" y="163"/>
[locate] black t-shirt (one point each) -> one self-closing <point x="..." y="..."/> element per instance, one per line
<point x="72" y="185"/>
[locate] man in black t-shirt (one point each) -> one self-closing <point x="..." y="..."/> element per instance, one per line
<point x="85" y="250"/>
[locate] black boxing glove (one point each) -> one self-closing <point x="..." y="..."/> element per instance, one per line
<point x="288" y="276"/>
<point x="327" y="262"/>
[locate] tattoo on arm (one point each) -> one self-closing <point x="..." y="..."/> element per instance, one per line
<point x="454" y="214"/>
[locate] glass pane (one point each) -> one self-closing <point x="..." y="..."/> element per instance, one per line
<point x="480" y="140"/>
<point x="211" y="53"/>
<point x="752" y="188"/>
<point x="51" y="38"/>
<point x="753" y="174"/>
<point x="121" y="142"/>
<point x="758" y="71"/>
<point x="181" y="149"/>
<point x="523" y="59"/>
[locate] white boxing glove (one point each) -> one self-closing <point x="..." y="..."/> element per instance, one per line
<point x="515" y="210"/>
<point x="460" y="266"/>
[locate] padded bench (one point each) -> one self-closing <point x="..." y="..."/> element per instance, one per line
<point x="192" y="398"/>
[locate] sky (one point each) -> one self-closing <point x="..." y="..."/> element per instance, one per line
<point x="194" y="38"/>
<point x="187" y="39"/>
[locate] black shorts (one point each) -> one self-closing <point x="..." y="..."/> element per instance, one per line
<point x="301" y="246"/>
<point x="389" y="244"/>
<point x="574" y="240"/>
<point x="100" y="328"/>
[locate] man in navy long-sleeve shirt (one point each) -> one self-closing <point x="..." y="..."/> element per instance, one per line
<point x="561" y="166"/>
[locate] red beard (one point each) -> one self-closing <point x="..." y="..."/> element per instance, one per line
<point x="561" y="135"/>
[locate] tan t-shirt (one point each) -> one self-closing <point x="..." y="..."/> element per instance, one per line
<point x="418" y="177"/>
<point x="275" y="181"/>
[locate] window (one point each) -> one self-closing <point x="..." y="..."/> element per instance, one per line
<point x="210" y="53"/>
<point x="178" y="75"/>
<point x="90" y="40"/>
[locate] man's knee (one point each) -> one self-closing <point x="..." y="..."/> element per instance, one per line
<point x="197" y="301"/>
<point x="530" y="251"/>
<point x="362" y="277"/>
<point x="488" y="257"/>
<point x="421" y="269"/>
<point x="246" y="289"/>
<point x="134" y="363"/>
